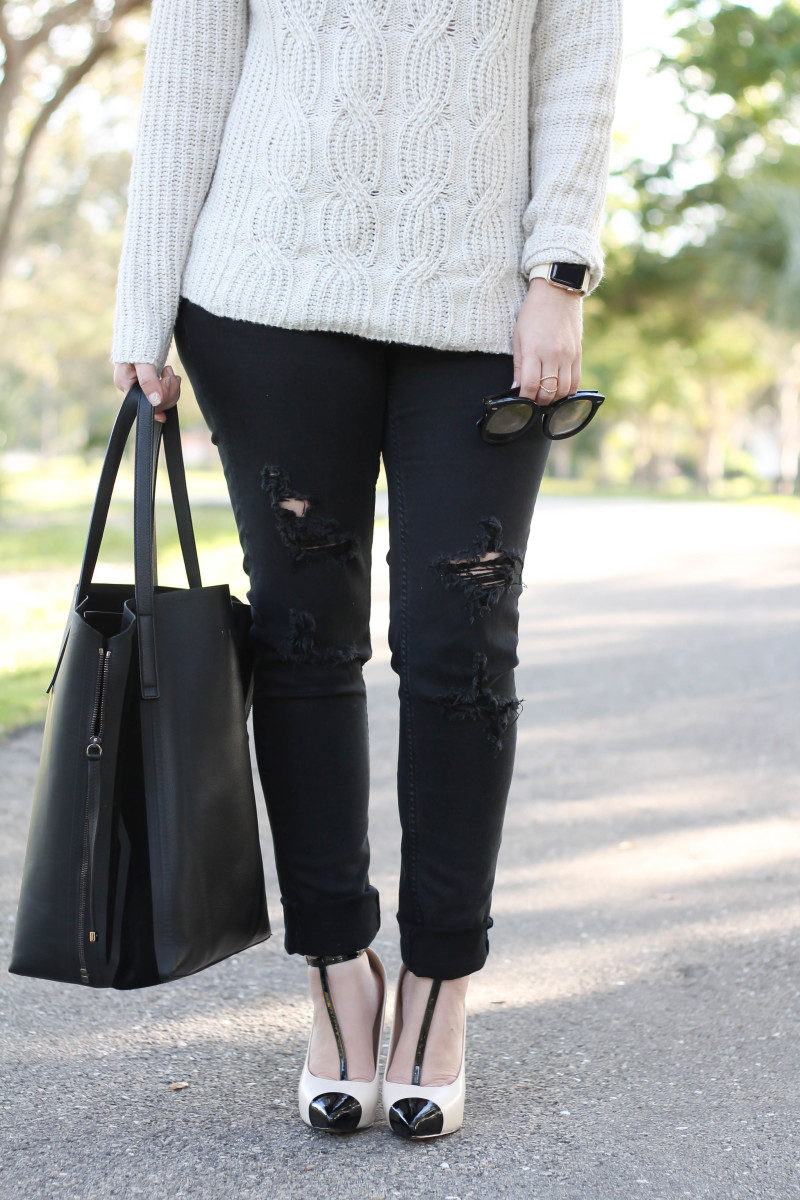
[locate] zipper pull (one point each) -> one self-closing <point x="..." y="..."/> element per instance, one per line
<point x="94" y="749"/>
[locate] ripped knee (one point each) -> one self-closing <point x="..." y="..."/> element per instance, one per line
<point x="306" y="533"/>
<point x="301" y="645"/>
<point x="485" y="573"/>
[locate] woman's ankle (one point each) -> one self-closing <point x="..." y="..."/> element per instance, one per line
<point x="442" y="1058"/>
<point x="356" y="995"/>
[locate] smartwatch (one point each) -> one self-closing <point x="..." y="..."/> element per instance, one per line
<point x="572" y="277"/>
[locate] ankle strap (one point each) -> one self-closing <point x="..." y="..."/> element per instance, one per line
<point x="323" y="961"/>
<point x="422" y="1041"/>
<point x="327" y="960"/>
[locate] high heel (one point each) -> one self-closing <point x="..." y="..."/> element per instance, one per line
<point x="342" y="1105"/>
<point x="417" y="1112"/>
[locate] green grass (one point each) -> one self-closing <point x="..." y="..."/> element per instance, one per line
<point x="22" y="696"/>
<point x="44" y="541"/>
<point x="44" y="521"/>
<point x="730" y="491"/>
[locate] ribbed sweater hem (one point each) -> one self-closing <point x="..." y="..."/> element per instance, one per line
<point x="235" y="277"/>
<point x="371" y="327"/>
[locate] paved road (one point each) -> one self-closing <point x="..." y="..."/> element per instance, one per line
<point x="636" y="1032"/>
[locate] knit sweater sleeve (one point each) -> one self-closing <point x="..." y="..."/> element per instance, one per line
<point x="193" y="61"/>
<point x="576" y="53"/>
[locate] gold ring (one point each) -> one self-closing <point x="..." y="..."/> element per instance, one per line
<point x="544" y="389"/>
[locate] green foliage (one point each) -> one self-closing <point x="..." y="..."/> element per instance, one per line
<point x="715" y="271"/>
<point x="42" y="539"/>
<point x="22" y="697"/>
<point x="748" y="58"/>
<point x="686" y="336"/>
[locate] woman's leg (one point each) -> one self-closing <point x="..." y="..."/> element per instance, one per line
<point x="460" y="517"/>
<point x="297" y="417"/>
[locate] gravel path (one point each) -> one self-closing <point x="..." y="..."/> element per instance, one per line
<point x="635" y="1032"/>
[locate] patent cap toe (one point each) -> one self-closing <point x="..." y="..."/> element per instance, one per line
<point x="335" y="1111"/>
<point x="414" y="1111"/>
<point x="416" y="1117"/>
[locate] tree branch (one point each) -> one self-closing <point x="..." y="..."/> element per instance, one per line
<point x="16" y="50"/>
<point x="5" y="37"/>
<point x="101" y="46"/>
<point x="66" y="14"/>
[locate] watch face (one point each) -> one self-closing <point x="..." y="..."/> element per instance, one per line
<point x="569" y="274"/>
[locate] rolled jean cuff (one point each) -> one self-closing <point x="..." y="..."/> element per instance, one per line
<point x="325" y="927"/>
<point x="439" y="953"/>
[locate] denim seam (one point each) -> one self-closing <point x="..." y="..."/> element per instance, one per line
<point x="412" y="807"/>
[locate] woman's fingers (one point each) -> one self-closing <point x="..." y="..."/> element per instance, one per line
<point x="528" y="375"/>
<point x="556" y="381"/>
<point x="149" y="382"/>
<point x="172" y="387"/>
<point x="547" y="343"/>
<point x="548" y="380"/>
<point x="549" y="383"/>
<point x="545" y="381"/>
<point x="124" y="376"/>
<point x="162" y="393"/>
<point x="575" y="376"/>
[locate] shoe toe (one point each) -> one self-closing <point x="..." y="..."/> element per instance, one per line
<point x="335" y="1111"/>
<point x="415" y="1117"/>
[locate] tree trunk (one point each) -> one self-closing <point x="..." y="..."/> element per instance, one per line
<point x="102" y="33"/>
<point x="712" y="469"/>
<point x="789" y="424"/>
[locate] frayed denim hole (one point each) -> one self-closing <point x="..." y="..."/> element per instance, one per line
<point x="301" y="644"/>
<point x="479" y="702"/>
<point x="306" y="533"/>
<point x="485" y="573"/>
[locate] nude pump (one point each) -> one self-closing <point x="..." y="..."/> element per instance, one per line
<point x="416" y="1112"/>
<point x="342" y="1105"/>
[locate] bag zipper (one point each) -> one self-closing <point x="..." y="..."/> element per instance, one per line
<point x="94" y="752"/>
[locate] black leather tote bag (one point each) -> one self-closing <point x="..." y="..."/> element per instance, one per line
<point x="143" y="862"/>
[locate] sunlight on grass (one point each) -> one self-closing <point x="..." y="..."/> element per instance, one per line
<point x="45" y="514"/>
<point x="45" y="523"/>
<point x="22" y="696"/>
<point x="730" y="491"/>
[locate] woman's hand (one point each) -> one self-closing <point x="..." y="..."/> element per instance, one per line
<point x="162" y="393"/>
<point x="547" y="341"/>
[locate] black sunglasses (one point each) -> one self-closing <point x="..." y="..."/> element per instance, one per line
<point x="507" y="414"/>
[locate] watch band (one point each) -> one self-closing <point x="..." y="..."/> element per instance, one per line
<point x="563" y="275"/>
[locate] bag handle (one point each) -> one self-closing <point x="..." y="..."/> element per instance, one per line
<point x="126" y="416"/>
<point x="148" y="441"/>
<point x="117" y="441"/>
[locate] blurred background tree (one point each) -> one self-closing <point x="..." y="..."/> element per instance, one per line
<point x="692" y="335"/>
<point x="62" y="187"/>
<point x="48" y="49"/>
<point x="714" y="267"/>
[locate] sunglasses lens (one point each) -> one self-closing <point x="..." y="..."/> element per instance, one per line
<point x="569" y="417"/>
<point x="508" y="419"/>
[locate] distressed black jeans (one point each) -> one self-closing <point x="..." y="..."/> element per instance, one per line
<point x="301" y="419"/>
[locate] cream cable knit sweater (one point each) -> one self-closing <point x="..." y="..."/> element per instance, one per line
<point x="391" y="168"/>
